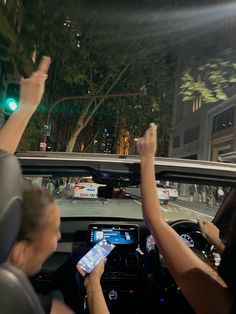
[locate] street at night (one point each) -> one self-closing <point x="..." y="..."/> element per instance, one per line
<point x="118" y="156"/>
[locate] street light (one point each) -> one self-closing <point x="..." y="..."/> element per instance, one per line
<point x="135" y="145"/>
<point x="94" y="146"/>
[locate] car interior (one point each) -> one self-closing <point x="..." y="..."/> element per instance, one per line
<point x="15" y="288"/>
<point x="87" y="79"/>
<point x="136" y="278"/>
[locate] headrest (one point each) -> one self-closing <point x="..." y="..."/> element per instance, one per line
<point x="10" y="202"/>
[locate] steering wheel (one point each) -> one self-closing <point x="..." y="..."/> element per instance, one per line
<point x="164" y="283"/>
<point x="200" y="246"/>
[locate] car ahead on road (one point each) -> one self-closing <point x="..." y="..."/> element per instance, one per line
<point x="163" y="194"/>
<point x="136" y="278"/>
<point x="173" y="193"/>
<point x="86" y="188"/>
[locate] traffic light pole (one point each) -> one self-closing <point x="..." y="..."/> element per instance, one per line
<point x="43" y="142"/>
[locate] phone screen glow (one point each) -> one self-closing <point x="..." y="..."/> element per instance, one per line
<point x="91" y="259"/>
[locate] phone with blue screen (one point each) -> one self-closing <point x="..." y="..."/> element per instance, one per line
<point x="93" y="257"/>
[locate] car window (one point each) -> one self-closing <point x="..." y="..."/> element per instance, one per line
<point x="160" y="186"/>
<point x="187" y="201"/>
<point x="85" y="180"/>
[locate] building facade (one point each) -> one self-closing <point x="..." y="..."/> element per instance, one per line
<point x="203" y="131"/>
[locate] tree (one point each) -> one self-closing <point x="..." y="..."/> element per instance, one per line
<point x="103" y="53"/>
<point x="209" y="82"/>
<point x="11" y="22"/>
<point x="113" y="63"/>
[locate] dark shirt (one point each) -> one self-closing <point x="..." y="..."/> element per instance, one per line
<point x="227" y="269"/>
<point x="46" y="302"/>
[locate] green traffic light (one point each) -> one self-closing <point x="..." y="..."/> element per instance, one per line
<point x="11" y="104"/>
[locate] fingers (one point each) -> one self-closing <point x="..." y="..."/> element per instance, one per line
<point x="146" y="145"/>
<point x="140" y="140"/>
<point x="44" y="65"/>
<point x="151" y="131"/>
<point x="41" y="72"/>
<point x="201" y="224"/>
<point x="153" y="126"/>
<point x="80" y="270"/>
<point x="101" y="265"/>
<point x="140" y="144"/>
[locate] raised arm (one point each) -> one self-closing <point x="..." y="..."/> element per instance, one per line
<point x="201" y="285"/>
<point x="31" y="92"/>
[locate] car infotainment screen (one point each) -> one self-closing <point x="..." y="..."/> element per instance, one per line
<point x="115" y="234"/>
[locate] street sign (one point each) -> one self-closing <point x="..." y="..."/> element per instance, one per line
<point x="46" y="129"/>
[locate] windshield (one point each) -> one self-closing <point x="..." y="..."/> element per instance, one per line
<point x="116" y="67"/>
<point x="90" y="199"/>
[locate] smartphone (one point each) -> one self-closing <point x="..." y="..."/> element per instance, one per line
<point x="91" y="259"/>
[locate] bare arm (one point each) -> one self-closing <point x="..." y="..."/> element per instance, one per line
<point x="59" y="307"/>
<point x="95" y="297"/>
<point x="189" y="272"/>
<point x="31" y="92"/>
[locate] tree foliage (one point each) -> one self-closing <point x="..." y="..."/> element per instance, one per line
<point x="99" y="48"/>
<point x="210" y="81"/>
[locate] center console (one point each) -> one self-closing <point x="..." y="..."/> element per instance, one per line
<point x="123" y="276"/>
<point x="115" y="234"/>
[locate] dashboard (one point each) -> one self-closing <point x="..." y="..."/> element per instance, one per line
<point x="115" y="234"/>
<point x="135" y="276"/>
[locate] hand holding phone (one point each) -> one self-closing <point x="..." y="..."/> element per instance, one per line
<point x="91" y="259"/>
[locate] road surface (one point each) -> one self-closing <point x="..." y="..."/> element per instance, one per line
<point x="130" y="208"/>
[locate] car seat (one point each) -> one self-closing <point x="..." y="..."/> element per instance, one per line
<point x="16" y="293"/>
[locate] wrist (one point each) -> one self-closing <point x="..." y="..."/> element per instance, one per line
<point x="147" y="158"/>
<point x="90" y="286"/>
<point x="26" y="107"/>
<point x="91" y="291"/>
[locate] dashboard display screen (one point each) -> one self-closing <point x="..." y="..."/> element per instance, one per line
<point x="115" y="234"/>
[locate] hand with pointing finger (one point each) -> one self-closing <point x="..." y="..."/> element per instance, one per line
<point x="32" y="88"/>
<point x="147" y="144"/>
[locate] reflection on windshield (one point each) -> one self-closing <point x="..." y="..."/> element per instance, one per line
<point x="81" y="196"/>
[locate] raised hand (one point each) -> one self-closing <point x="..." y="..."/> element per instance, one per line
<point x="147" y="144"/>
<point x="31" y="93"/>
<point x="32" y="88"/>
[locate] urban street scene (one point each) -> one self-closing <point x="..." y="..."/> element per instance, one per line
<point x="117" y="156"/>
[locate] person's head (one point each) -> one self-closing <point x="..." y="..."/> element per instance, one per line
<point x="39" y="232"/>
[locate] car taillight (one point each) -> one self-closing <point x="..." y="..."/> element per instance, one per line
<point x="79" y="187"/>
